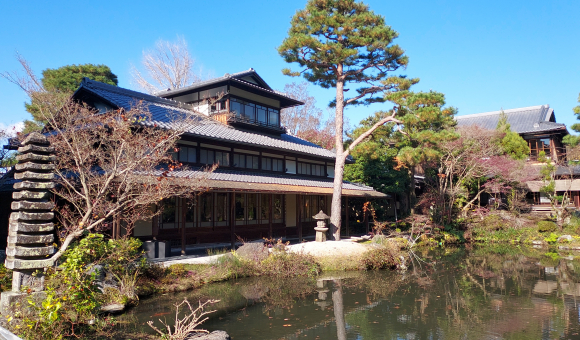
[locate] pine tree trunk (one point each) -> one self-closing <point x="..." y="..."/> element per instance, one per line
<point x="336" y="206"/>
<point x="412" y="195"/>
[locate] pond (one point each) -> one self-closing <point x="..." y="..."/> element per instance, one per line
<point x="478" y="293"/>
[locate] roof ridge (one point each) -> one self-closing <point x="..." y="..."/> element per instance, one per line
<point x="121" y="90"/>
<point x="265" y="89"/>
<point x="491" y="113"/>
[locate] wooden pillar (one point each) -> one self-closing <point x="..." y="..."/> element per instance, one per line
<point x="183" y="212"/>
<point x="233" y="219"/>
<point x="299" y="216"/>
<point x="271" y="215"/>
<point x="346" y="215"/>
<point x="118" y="228"/>
<point x="366" y="219"/>
<point x="155" y="225"/>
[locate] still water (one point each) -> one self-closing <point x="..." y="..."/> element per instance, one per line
<point x="480" y="293"/>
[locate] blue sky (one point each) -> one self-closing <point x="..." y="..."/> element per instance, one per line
<point x="483" y="55"/>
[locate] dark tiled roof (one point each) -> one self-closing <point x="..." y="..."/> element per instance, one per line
<point x="523" y="120"/>
<point x="237" y="77"/>
<point x="163" y="110"/>
<point x="270" y="178"/>
<point x="7" y="180"/>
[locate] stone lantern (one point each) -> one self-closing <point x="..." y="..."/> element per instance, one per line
<point x="321" y="228"/>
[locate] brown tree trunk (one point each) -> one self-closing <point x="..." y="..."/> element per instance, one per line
<point x="339" y="310"/>
<point x="335" y="217"/>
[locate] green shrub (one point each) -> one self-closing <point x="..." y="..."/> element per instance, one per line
<point x="553" y="238"/>
<point x="384" y="257"/>
<point x="493" y="222"/>
<point x="254" y="251"/>
<point x="547" y="226"/>
<point x="5" y="278"/>
<point x="284" y="264"/>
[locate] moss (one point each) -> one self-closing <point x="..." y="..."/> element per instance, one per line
<point x="547" y="226"/>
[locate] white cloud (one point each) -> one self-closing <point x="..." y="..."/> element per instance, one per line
<point x="12" y="129"/>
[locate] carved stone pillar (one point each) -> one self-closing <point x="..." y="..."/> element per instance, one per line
<point x="31" y="230"/>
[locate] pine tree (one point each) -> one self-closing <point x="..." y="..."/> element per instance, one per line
<point x="338" y="43"/>
<point x="63" y="81"/>
<point x="511" y="143"/>
<point x="425" y="124"/>
<point x="574" y="140"/>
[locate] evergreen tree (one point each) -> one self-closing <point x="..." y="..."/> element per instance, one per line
<point x="338" y="43"/>
<point x="511" y="143"/>
<point x="375" y="160"/>
<point x="574" y="140"/>
<point x="63" y="81"/>
<point x="425" y="124"/>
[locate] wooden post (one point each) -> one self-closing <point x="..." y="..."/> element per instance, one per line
<point x="299" y="216"/>
<point x="118" y="229"/>
<point x="155" y="225"/>
<point x="183" y="211"/>
<point x="346" y="215"/>
<point x="233" y="219"/>
<point x="366" y="220"/>
<point x="271" y="215"/>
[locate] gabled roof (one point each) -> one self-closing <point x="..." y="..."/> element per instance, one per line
<point x="162" y="111"/>
<point x="532" y="119"/>
<point x="248" y="78"/>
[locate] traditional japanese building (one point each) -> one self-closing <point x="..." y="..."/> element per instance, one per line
<point x="538" y="126"/>
<point x="267" y="183"/>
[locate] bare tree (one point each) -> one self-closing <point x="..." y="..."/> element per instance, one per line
<point x="168" y="66"/>
<point x="113" y="165"/>
<point x="307" y="121"/>
<point x="7" y="157"/>
<point x="304" y="117"/>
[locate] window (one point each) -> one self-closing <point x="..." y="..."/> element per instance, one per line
<point x="255" y="208"/>
<point x="278" y="208"/>
<point x="236" y="107"/>
<point x="246" y="161"/>
<point x="206" y="210"/>
<point x="272" y="164"/>
<point x="265" y="208"/>
<point x="206" y="156"/>
<point x="222" y="158"/>
<point x="249" y="111"/>
<point x="255" y="113"/>
<point x="252" y="208"/>
<point x="189" y="211"/>
<point x="310" y="169"/>
<point x="539" y="145"/>
<point x="261" y="111"/>
<point x="214" y="157"/>
<point x="311" y="205"/>
<point x="274" y="115"/>
<point x="169" y="210"/>
<point x="221" y="209"/>
<point x="240" y="209"/>
<point x="187" y="154"/>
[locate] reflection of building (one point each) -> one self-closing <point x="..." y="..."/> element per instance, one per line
<point x="268" y="183"/>
<point x="538" y="126"/>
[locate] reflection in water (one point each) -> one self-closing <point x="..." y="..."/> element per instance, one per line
<point x="465" y="294"/>
<point x="339" y="310"/>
